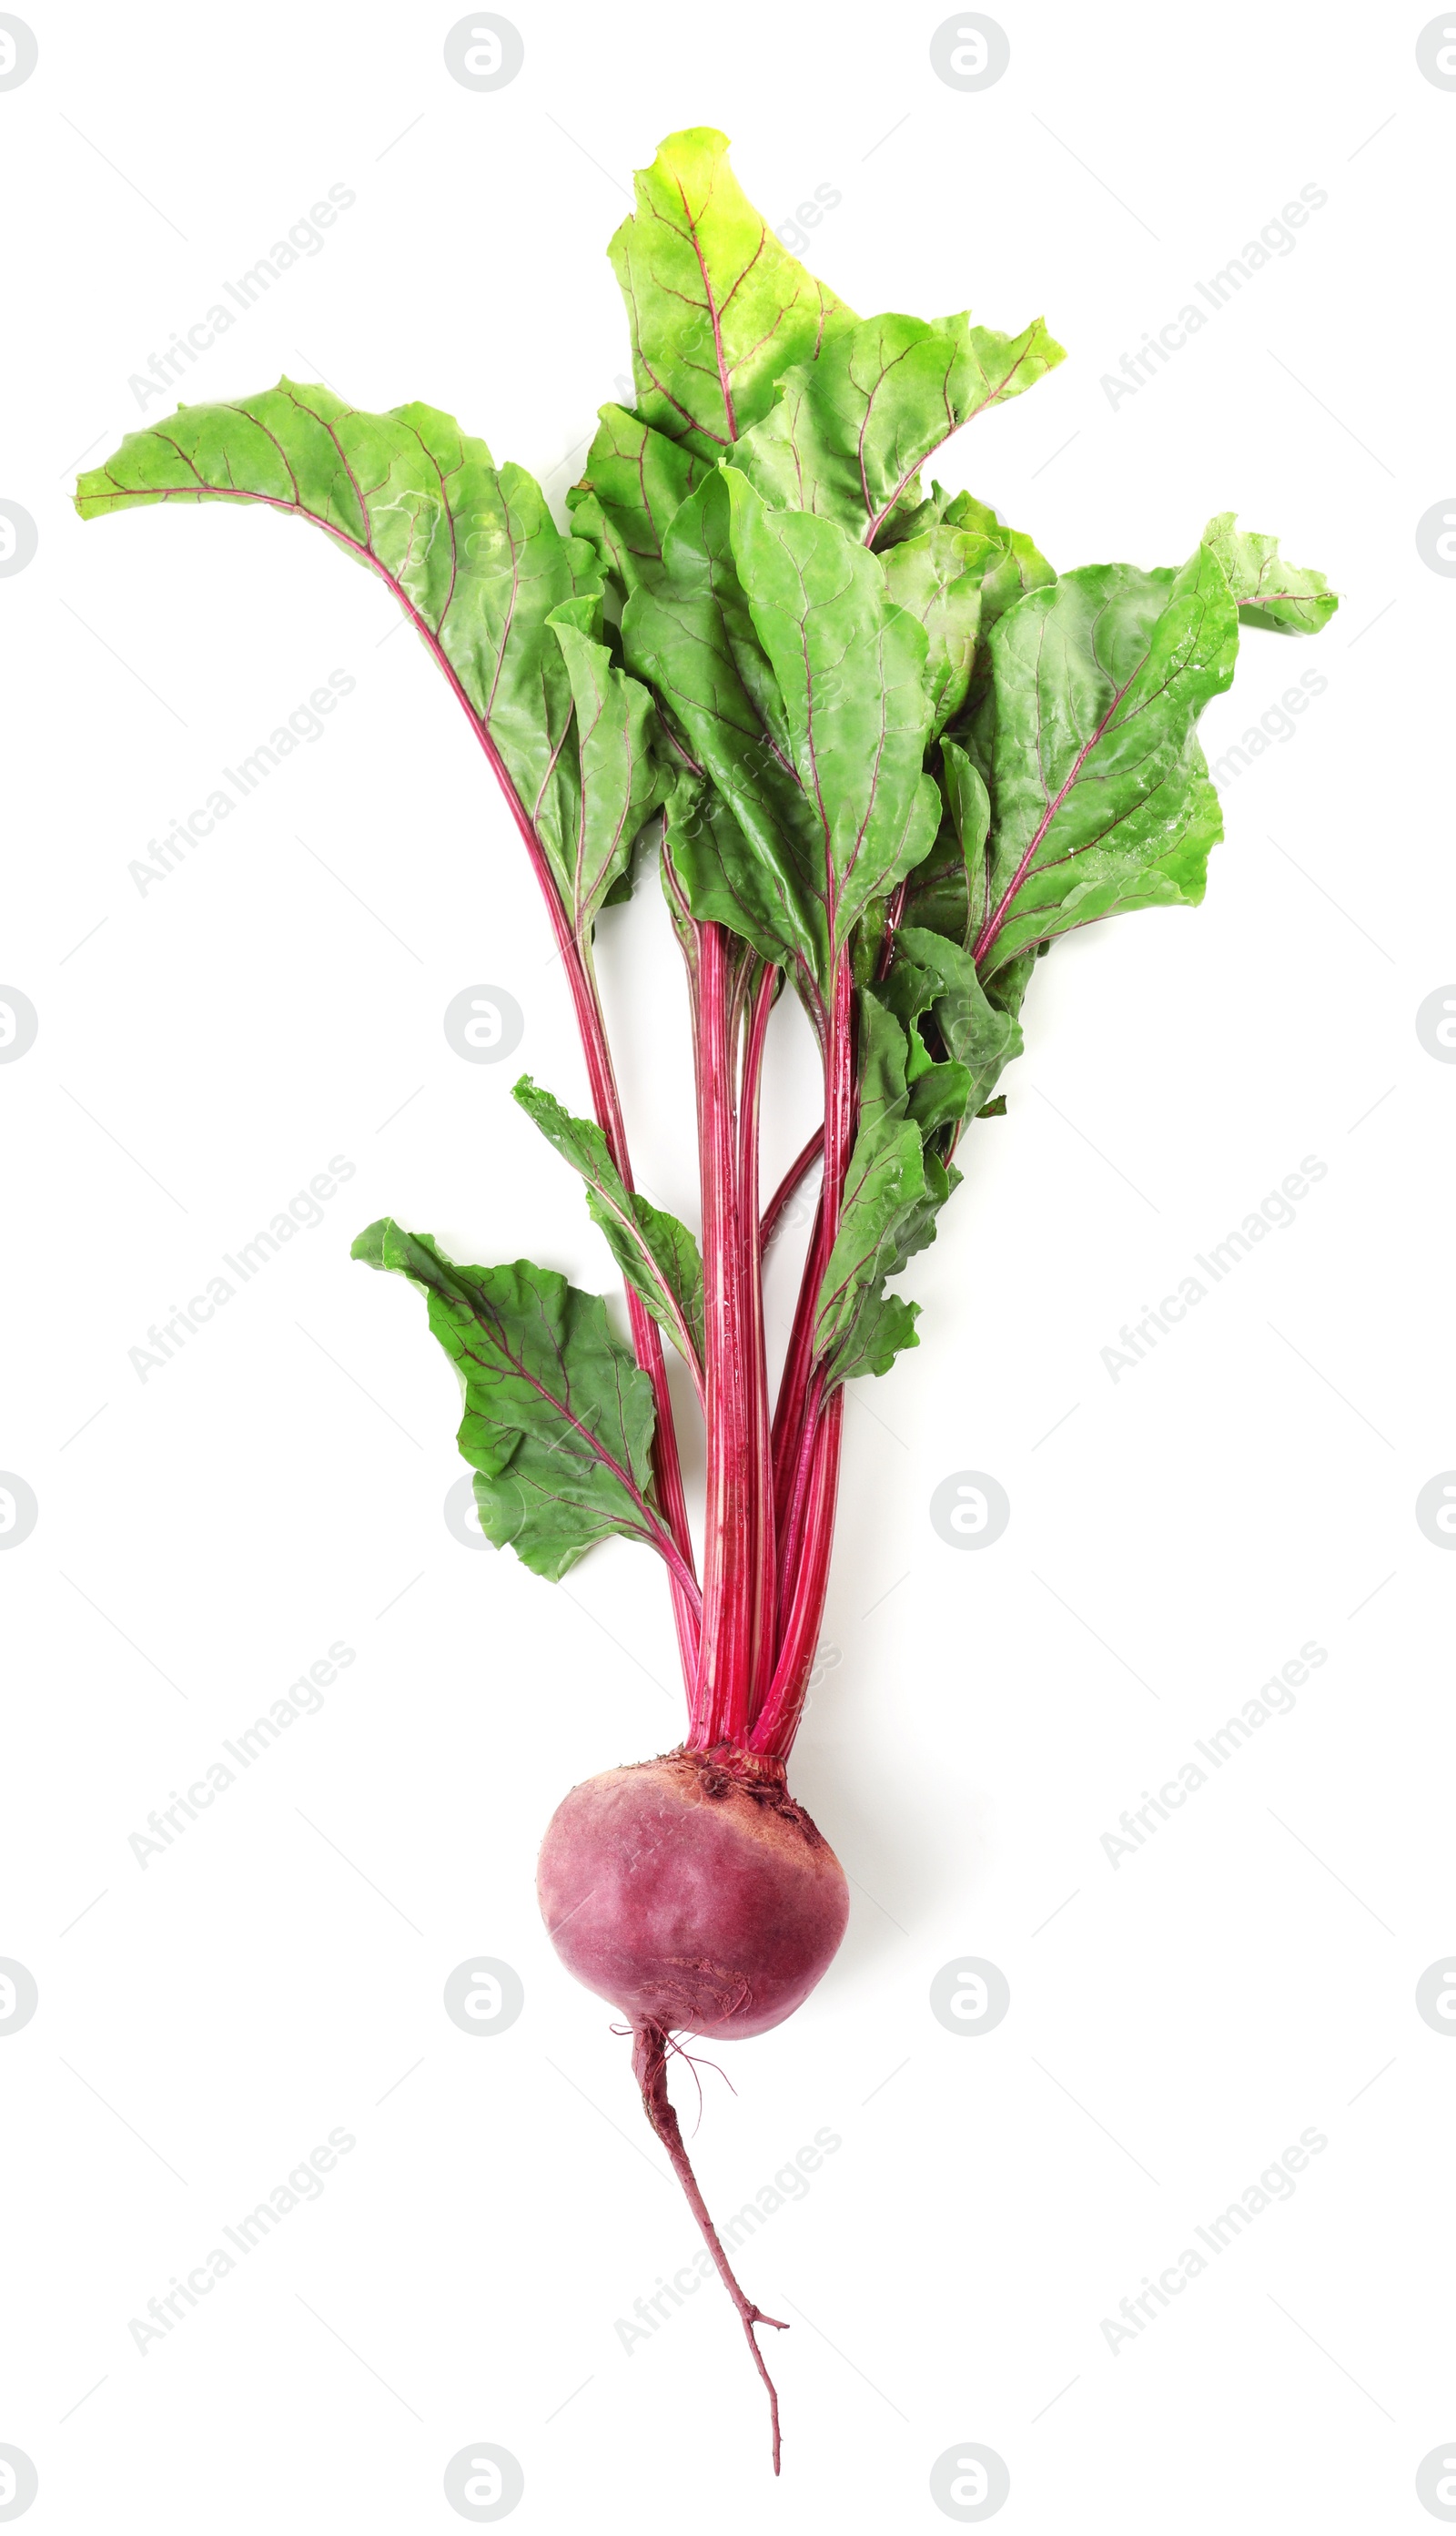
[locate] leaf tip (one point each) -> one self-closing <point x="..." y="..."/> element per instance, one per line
<point x="370" y="1243"/>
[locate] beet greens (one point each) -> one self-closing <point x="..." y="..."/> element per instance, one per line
<point x="887" y="755"/>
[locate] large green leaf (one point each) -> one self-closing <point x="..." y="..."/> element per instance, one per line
<point x="635" y="479"/>
<point x="657" y="1254"/>
<point x="470" y="549"/>
<point x="850" y="665"/>
<point x="718" y="309"/>
<point x="1283" y="598"/>
<point x="558" y="1418"/>
<point x="851" y="430"/>
<point x="1101" y="794"/>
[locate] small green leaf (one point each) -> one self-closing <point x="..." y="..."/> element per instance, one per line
<point x="967" y="800"/>
<point x="1101" y="797"/>
<point x="1017" y="565"/>
<point x="850" y="666"/>
<point x="977" y="1034"/>
<point x="558" y="1418"/>
<point x="884" y="1191"/>
<point x="657" y="1254"/>
<point x="884" y="1328"/>
<point x="1283" y="598"/>
<point x="969" y="807"/>
<point x="726" y="880"/>
<point x="718" y="309"/>
<point x="935" y="578"/>
<point x="635" y="479"/>
<point x="692" y="637"/>
<point x="618" y="778"/>
<point x="851" y="432"/>
<point x="894" y="1189"/>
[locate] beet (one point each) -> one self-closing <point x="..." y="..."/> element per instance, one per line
<point x="693" y="1893"/>
<point x="697" y="1895"/>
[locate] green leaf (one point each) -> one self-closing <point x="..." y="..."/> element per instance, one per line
<point x="749" y="838"/>
<point x="850" y="666"/>
<point x="967" y="800"/>
<point x="470" y="550"/>
<point x="936" y="579"/>
<point x="883" y="1328"/>
<point x="635" y="479"/>
<point x="657" y="1254"/>
<point x="978" y="1036"/>
<point x="938" y="892"/>
<point x="1101" y="793"/>
<point x="940" y="1096"/>
<point x="884" y="1190"/>
<point x="1016" y="566"/>
<point x="619" y="779"/>
<point x="1283" y="598"/>
<point x="718" y="309"/>
<point x="851" y="432"/>
<point x="894" y="1189"/>
<point x="725" y="880"/>
<point x="558" y="1418"/>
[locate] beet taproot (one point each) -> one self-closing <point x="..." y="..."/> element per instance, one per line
<point x="696" y="1895"/>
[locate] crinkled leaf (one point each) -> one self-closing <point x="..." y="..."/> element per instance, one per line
<point x="851" y="432"/>
<point x="894" y="1189"/>
<point x="884" y="1188"/>
<point x="620" y="780"/>
<point x="718" y="309"/>
<point x="883" y="1328"/>
<point x="470" y="549"/>
<point x="940" y="1096"/>
<point x="657" y="1254"/>
<point x="1283" y="598"/>
<point x="635" y="479"/>
<point x="850" y="666"/>
<point x="976" y="1033"/>
<point x="1101" y="797"/>
<point x="558" y="1418"/>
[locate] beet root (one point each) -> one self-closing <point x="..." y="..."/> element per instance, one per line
<point x="695" y="1894"/>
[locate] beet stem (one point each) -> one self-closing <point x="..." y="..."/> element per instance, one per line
<point x="649" y="2069"/>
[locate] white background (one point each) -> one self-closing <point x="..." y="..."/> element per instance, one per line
<point x="204" y="1535"/>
